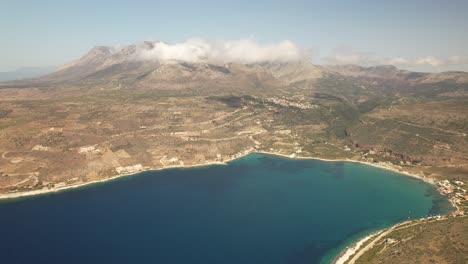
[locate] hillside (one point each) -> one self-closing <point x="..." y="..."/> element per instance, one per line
<point x="157" y="109"/>
<point x="110" y="113"/>
<point x="132" y="111"/>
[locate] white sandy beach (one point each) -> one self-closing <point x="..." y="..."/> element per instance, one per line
<point x="428" y="180"/>
<point x="351" y="250"/>
<point x="78" y="185"/>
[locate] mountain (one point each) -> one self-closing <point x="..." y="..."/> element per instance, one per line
<point x="125" y="67"/>
<point x="122" y="67"/>
<point x="108" y="62"/>
<point x="391" y="72"/>
<point x="113" y="108"/>
<point x="396" y="81"/>
<point x="107" y="68"/>
<point x="115" y="112"/>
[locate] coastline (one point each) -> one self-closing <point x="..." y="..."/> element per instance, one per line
<point x="15" y="195"/>
<point x="342" y="257"/>
<point x="351" y="249"/>
<point x="420" y="177"/>
<point x="352" y="252"/>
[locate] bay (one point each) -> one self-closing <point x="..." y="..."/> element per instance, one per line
<point x="256" y="209"/>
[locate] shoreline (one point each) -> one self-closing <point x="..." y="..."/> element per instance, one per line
<point x="15" y="195"/>
<point x="342" y="257"/>
<point x="413" y="175"/>
<point x="350" y="250"/>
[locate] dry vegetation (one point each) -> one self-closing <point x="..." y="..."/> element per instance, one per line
<point x="443" y="241"/>
<point x="56" y="133"/>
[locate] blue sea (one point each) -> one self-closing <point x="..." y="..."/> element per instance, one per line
<point x="256" y="209"/>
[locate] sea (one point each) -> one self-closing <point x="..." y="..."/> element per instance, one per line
<point x="260" y="208"/>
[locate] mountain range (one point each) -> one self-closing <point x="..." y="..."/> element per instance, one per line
<point x="403" y="117"/>
<point x="106" y="65"/>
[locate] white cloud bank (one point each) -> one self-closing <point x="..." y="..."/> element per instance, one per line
<point x="433" y="61"/>
<point x="249" y="51"/>
<point x="238" y="51"/>
<point x="347" y="55"/>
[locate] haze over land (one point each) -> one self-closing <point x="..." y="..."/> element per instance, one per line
<point x="25" y="73"/>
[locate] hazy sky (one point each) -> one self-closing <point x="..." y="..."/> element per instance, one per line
<point x="419" y="35"/>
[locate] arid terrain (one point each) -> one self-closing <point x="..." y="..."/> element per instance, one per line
<point x="427" y="241"/>
<point x="106" y="115"/>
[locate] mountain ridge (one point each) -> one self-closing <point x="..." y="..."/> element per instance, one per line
<point x="103" y="63"/>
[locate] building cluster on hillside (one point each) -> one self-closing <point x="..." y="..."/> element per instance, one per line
<point x="454" y="192"/>
<point x="89" y="149"/>
<point x="129" y="169"/>
<point x="241" y="153"/>
<point x="289" y="103"/>
<point x="445" y="187"/>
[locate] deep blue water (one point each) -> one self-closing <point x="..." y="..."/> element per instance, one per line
<point x="257" y="209"/>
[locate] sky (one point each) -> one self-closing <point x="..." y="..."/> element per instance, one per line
<point x="411" y="34"/>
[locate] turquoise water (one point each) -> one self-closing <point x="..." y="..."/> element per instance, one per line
<point x="257" y="209"/>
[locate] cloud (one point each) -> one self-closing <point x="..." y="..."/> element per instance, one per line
<point x="433" y="61"/>
<point x="239" y="51"/>
<point x="397" y="61"/>
<point x="348" y="55"/>
<point x="190" y="51"/>
<point x="428" y="60"/>
<point x="457" y="60"/>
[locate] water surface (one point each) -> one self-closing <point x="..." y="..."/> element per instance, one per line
<point x="257" y="209"/>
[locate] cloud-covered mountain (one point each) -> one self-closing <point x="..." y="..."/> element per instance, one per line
<point x="229" y="66"/>
<point x="192" y="63"/>
<point x="191" y="51"/>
